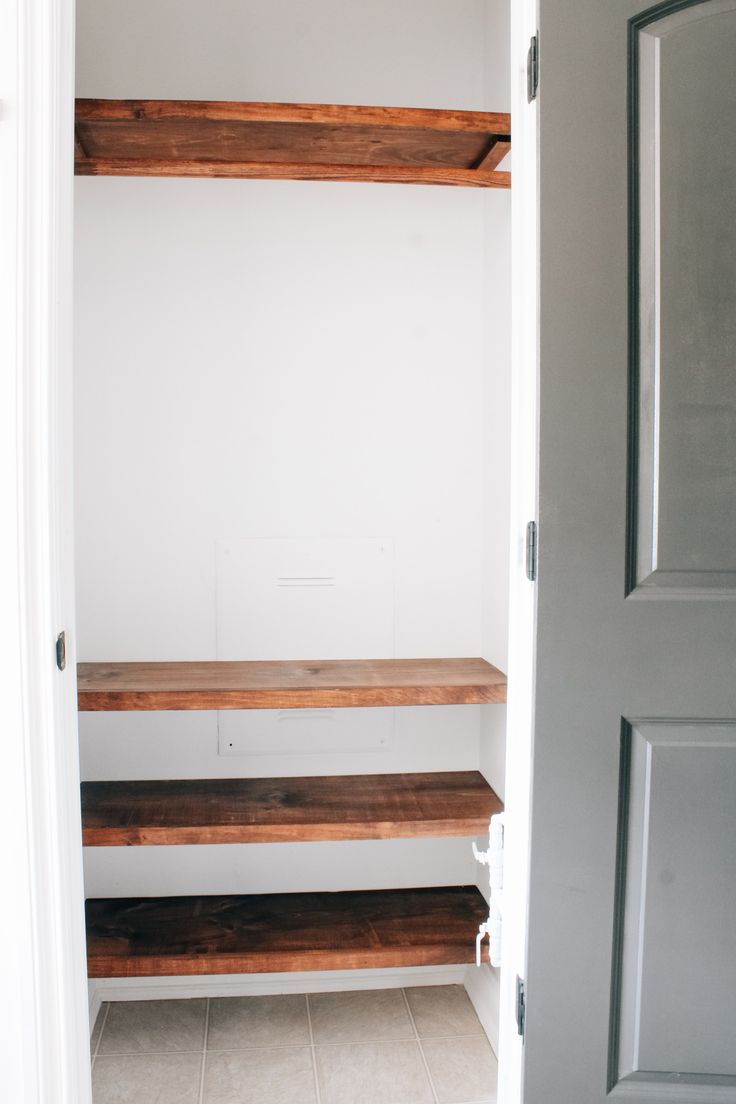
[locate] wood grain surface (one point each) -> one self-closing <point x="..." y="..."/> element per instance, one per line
<point x="318" y="684"/>
<point x="268" y="810"/>
<point x="493" y="156"/>
<point x="242" y="170"/>
<point x="287" y="141"/>
<point x="153" y="937"/>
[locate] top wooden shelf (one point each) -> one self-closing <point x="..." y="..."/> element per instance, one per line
<point x="291" y="141"/>
<point x="318" y="684"/>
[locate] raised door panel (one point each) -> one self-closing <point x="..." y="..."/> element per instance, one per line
<point x="675" y="968"/>
<point x="683" y="208"/>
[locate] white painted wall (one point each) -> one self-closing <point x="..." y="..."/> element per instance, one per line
<point x="414" y="53"/>
<point x="261" y="359"/>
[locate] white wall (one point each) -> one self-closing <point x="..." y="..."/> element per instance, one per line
<point x="290" y="360"/>
<point x="407" y="53"/>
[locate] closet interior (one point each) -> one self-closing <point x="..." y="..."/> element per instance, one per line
<point x="292" y="404"/>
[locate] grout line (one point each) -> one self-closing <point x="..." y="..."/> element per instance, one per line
<point x="200" y="1098"/>
<point x="210" y="1050"/>
<point x="421" y="1048"/>
<point x="291" y="1046"/>
<point x="392" y="1039"/>
<point x="314" y="1052"/>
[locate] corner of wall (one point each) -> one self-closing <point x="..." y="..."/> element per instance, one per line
<point x="492" y="760"/>
<point x="482" y="984"/>
<point x="95" y="1004"/>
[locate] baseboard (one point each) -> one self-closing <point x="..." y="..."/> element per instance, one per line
<point x="95" y="1003"/>
<point x="255" y="985"/>
<point x="482" y="985"/>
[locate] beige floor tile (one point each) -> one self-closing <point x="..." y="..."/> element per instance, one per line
<point x="240" y="1022"/>
<point x="95" y="1036"/>
<point x="373" y="1073"/>
<point x="276" y="1076"/>
<point x="362" y="1016"/>
<point x="139" y="1027"/>
<point x="147" y="1079"/>
<point x="462" y="1069"/>
<point x="443" y="1010"/>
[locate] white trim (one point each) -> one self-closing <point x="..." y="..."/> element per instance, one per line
<point x="483" y="986"/>
<point x="42" y="870"/>
<point x="259" y="985"/>
<point x="522" y="593"/>
<point x="95" y="1004"/>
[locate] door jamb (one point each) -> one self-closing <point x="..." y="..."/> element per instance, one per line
<point x="522" y="592"/>
<point x="45" y="993"/>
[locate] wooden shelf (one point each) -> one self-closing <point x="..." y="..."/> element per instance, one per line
<point x="291" y="141"/>
<point x="319" y="684"/>
<point x="154" y="937"/>
<point x="271" y="810"/>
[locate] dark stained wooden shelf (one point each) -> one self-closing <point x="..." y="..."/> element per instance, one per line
<point x="291" y="141"/>
<point x="271" y="810"/>
<point x="318" y="684"/>
<point x="154" y="937"/>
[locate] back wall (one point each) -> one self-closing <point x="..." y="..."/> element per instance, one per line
<point x="280" y="380"/>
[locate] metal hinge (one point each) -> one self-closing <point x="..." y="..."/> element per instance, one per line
<point x="532" y="69"/>
<point x="61" y="651"/>
<point x="531" y="551"/>
<point x="520" y="1006"/>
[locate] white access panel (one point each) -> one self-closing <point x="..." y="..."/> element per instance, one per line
<point x="305" y="599"/>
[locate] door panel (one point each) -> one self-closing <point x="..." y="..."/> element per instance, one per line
<point x="677" y="895"/>
<point x="683" y="113"/>
<point x="631" y="953"/>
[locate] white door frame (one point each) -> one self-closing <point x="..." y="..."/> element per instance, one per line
<point x="522" y="592"/>
<point x="44" y="994"/>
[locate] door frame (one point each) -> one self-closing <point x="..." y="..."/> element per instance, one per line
<point x="46" y="990"/>
<point x="522" y="590"/>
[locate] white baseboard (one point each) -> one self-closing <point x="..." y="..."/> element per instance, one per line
<point x="258" y="985"/>
<point x="482" y="985"/>
<point x="95" y="1003"/>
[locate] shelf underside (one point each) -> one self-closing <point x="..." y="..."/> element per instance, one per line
<point x="173" y="936"/>
<point x="291" y="141"/>
<point x="271" y="810"/>
<point x="318" y="684"/>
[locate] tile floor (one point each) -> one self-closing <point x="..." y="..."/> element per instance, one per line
<point x="383" y="1046"/>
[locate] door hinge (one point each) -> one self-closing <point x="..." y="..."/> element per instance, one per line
<point x="61" y="651"/>
<point x="532" y="69"/>
<point x="531" y="551"/>
<point x="520" y="1006"/>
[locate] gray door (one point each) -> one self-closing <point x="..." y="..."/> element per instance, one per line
<point x="631" y="972"/>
